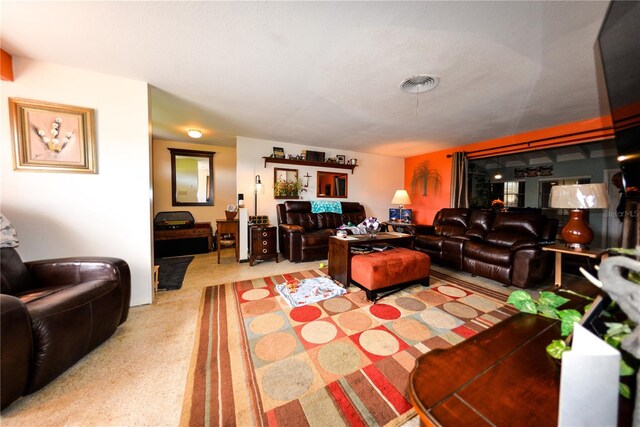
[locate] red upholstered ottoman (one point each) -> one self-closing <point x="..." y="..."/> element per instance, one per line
<point x="390" y="269"/>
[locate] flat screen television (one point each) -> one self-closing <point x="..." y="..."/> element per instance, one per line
<point x="619" y="43"/>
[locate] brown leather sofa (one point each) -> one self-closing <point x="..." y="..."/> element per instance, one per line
<point x="503" y="246"/>
<point x="304" y="236"/>
<point x="53" y="313"/>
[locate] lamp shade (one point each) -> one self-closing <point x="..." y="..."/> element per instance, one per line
<point x="579" y="196"/>
<point x="401" y="198"/>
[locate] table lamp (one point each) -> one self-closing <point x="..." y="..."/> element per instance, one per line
<point x="401" y="198"/>
<point x="577" y="198"/>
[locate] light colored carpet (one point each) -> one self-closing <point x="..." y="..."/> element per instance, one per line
<point x="138" y="376"/>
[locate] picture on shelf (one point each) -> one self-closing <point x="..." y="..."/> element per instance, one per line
<point x="340" y="159"/>
<point x="400" y="215"/>
<point x="278" y="152"/>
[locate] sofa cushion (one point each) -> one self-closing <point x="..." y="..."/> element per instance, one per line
<point x="480" y="223"/>
<point x="329" y="220"/>
<point x="433" y="243"/>
<point x="451" y="222"/>
<point x="317" y="238"/>
<point x="509" y="227"/>
<point x="490" y="254"/>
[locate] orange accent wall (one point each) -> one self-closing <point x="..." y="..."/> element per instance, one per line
<point x="425" y="207"/>
<point x="6" y="66"/>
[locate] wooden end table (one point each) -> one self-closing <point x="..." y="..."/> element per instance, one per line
<point x="561" y="248"/>
<point x="263" y="243"/>
<point x="228" y="226"/>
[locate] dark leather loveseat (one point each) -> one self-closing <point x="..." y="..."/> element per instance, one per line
<point x="53" y="313"/>
<point x="304" y="236"/>
<point x="503" y="246"/>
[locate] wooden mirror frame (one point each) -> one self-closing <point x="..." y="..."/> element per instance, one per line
<point x="209" y="184"/>
<point x="323" y="176"/>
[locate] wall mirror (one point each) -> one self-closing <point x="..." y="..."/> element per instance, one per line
<point x="286" y="184"/>
<point x="332" y="184"/>
<point x="191" y="177"/>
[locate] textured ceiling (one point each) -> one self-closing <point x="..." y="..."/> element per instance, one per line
<point x="328" y="73"/>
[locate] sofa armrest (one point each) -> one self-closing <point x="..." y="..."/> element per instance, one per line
<point x="524" y="244"/>
<point x="424" y="229"/>
<point x="291" y="228"/>
<point x="16" y="349"/>
<point x="69" y="271"/>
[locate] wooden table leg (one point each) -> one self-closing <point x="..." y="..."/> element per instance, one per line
<point x="218" y="241"/>
<point x="558" y="277"/>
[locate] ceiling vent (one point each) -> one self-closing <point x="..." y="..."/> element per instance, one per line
<point x="420" y="83"/>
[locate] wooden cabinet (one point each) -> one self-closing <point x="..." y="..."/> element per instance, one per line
<point x="263" y="243"/>
<point x="183" y="241"/>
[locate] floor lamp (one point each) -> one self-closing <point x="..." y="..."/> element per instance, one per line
<point x="256" y="189"/>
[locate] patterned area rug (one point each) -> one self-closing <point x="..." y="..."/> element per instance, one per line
<point x="342" y="361"/>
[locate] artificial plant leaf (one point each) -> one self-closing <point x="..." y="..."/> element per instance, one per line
<point x="522" y="301"/>
<point x="556" y="348"/>
<point x="625" y="370"/>
<point x="568" y="317"/>
<point x="624" y="390"/>
<point x="551" y="299"/>
<point x="548" y="311"/>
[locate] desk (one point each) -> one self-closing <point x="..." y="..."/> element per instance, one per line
<point x="561" y="248"/>
<point x="228" y="226"/>
<point x="500" y="377"/>
<point x="183" y="241"/>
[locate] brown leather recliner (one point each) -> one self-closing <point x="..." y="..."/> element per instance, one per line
<point x="53" y="313"/>
<point x="304" y="235"/>
<point x="503" y="246"/>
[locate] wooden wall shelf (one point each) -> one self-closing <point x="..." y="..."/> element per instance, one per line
<point x="308" y="163"/>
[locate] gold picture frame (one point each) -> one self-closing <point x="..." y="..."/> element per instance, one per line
<point x="52" y="137"/>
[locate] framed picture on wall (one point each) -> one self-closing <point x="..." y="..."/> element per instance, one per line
<point x="52" y="137"/>
<point x="278" y="152"/>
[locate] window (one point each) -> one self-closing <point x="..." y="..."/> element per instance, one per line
<point x="510" y="192"/>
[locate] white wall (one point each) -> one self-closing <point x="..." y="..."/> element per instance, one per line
<point x="71" y="214"/>
<point x="373" y="182"/>
<point x="224" y="180"/>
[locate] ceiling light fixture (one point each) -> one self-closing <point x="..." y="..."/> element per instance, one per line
<point x="194" y="133"/>
<point x="419" y="84"/>
<point x="498" y="175"/>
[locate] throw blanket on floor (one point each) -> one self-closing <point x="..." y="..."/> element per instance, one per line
<point x="318" y="206"/>
<point x="307" y="291"/>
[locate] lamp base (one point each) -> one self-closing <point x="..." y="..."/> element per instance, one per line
<point x="576" y="233"/>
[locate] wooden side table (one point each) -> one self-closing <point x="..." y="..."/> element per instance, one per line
<point x="561" y="248"/>
<point x="263" y="243"/>
<point x="228" y="226"/>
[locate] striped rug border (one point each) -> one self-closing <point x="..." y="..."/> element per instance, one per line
<point x="218" y="307"/>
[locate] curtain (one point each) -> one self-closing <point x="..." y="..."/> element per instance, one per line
<point x="459" y="196"/>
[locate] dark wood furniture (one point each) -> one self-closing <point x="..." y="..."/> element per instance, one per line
<point x="401" y="227"/>
<point x="500" y="377"/>
<point x="561" y="248"/>
<point x="228" y="226"/>
<point x="263" y="243"/>
<point x="340" y="253"/>
<point x="184" y="240"/>
<point x="308" y="163"/>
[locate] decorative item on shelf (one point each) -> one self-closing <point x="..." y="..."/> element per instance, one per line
<point x="401" y="198"/>
<point x="314" y="156"/>
<point x="278" y="152"/>
<point x="577" y="198"/>
<point x="231" y="212"/>
<point x="519" y="172"/>
<point x="258" y="219"/>
<point x="340" y="159"/>
<point x="353" y="162"/>
<point x="371" y="226"/>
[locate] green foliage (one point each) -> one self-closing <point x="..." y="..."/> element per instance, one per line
<point x="547" y="306"/>
<point x="568" y="318"/>
<point x="556" y="348"/>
